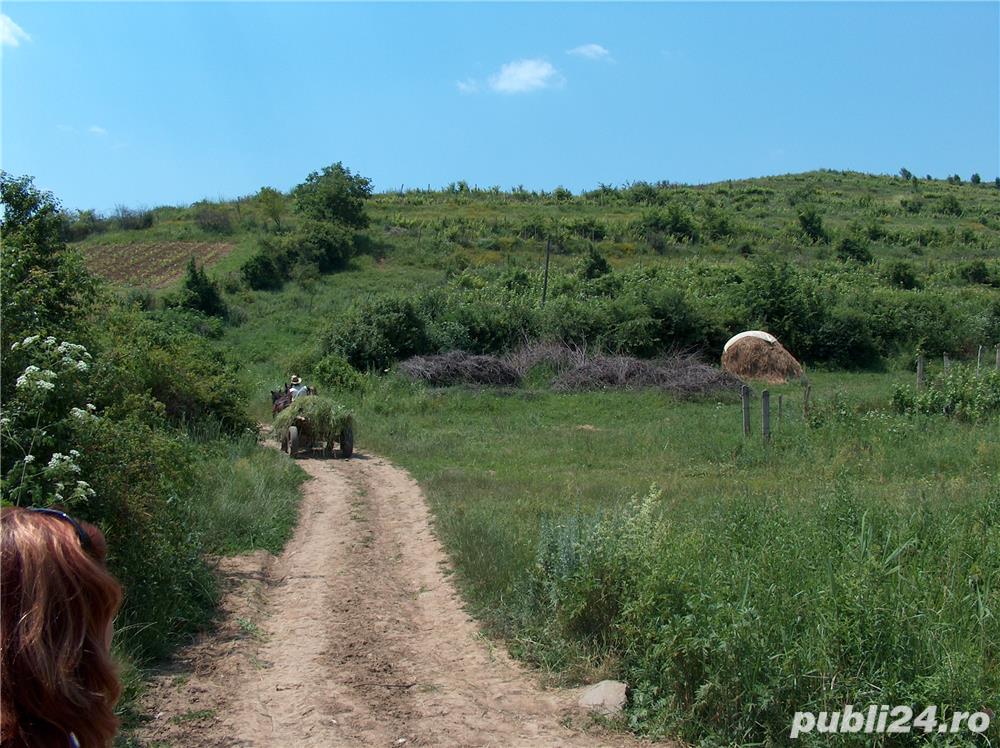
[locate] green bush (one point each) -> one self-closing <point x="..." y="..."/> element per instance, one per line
<point x="962" y="392"/>
<point x="262" y="273"/>
<point x="334" y="373"/>
<point x="378" y="332"/>
<point x="199" y="292"/>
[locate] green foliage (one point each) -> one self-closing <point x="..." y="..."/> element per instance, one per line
<point x="199" y="293"/>
<point x="262" y="272"/>
<point x="334" y="373"/>
<point x="334" y="194"/>
<point x="272" y="205"/>
<point x="212" y="217"/>
<point x="811" y="224"/>
<point x="327" y="246"/>
<point x="962" y="392"/>
<point x="46" y="289"/>
<point x="950" y="206"/>
<point x="852" y="248"/>
<point x="378" y="332"/>
<point x="326" y="418"/>
<point x="593" y="265"/>
<point x="900" y="274"/>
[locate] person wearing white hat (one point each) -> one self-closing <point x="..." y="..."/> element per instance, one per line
<point x="297" y="387"/>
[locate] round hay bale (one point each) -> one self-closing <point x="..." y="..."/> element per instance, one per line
<point x="759" y="355"/>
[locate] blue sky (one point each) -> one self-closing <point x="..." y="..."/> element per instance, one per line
<point x="168" y="103"/>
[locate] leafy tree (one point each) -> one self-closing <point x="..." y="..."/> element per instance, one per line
<point x="975" y="179"/>
<point x="906" y="174"/>
<point x="335" y="195"/>
<point x="561" y="194"/>
<point x="272" y="205"/>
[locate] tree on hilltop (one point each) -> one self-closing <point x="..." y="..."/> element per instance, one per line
<point x="334" y="194"/>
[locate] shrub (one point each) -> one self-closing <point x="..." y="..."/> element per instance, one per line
<point x="328" y="246"/>
<point x="593" y="265"/>
<point x="378" y="332"/>
<point x="133" y="219"/>
<point x="333" y="372"/>
<point x="962" y="392"/>
<point x="212" y="218"/>
<point x="199" y="292"/>
<point x="900" y="273"/>
<point x="850" y="248"/>
<point x="950" y="206"/>
<point x="262" y="273"/>
<point x="811" y="224"/>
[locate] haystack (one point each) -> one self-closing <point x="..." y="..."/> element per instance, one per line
<point x="758" y="355"/>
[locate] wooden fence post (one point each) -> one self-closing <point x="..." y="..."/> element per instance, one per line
<point x="765" y="415"/>
<point x="920" y="371"/>
<point x="979" y="360"/>
<point x="946" y="362"/>
<point x="745" y="397"/>
<point x="805" y="401"/>
<point x="998" y="357"/>
<point x="545" y="283"/>
<point x="781" y="399"/>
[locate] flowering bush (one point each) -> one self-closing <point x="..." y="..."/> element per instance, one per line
<point x="47" y="411"/>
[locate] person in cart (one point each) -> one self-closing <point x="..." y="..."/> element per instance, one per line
<point x="297" y="387"/>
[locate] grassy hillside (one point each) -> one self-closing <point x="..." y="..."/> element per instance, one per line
<point x="854" y="559"/>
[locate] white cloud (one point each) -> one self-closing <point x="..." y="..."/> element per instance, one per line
<point x="522" y="76"/>
<point x="468" y="86"/>
<point x="591" y="52"/>
<point x="11" y="34"/>
<point x="65" y="128"/>
<point x="96" y="130"/>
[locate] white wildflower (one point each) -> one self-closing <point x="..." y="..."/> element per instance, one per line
<point x="28" y="459"/>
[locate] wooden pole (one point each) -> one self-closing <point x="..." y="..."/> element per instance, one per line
<point x="745" y="397"/>
<point x="946" y="362"/>
<point x="765" y="415"/>
<point x="545" y="283"/>
<point x="781" y="399"/>
<point x="979" y="360"/>
<point x="805" y="401"/>
<point x="920" y="371"/>
<point x="998" y="358"/>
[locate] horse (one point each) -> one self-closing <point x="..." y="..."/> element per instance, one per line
<point x="281" y="399"/>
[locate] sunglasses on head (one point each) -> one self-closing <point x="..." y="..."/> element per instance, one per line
<point x="85" y="541"/>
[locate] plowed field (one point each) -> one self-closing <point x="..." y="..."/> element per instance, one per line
<point x="152" y="264"/>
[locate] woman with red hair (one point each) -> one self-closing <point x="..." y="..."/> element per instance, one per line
<point x="57" y="604"/>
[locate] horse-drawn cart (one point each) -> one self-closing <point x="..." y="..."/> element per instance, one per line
<point x="311" y="422"/>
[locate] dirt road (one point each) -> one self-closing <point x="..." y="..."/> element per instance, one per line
<point x="355" y="636"/>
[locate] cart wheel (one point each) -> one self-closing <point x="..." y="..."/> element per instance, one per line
<point x="293" y="440"/>
<point x="347" y="442"/>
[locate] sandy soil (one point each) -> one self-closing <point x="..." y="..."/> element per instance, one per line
<point x="355" y="636"/>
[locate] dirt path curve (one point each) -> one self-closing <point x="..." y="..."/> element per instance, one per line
<point x="355" y="636"/>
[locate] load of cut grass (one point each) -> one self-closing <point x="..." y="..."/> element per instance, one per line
<point x="458" y="367"/>
<point x="327" y="419"/>
<point x="682" y="375"/>
<point x="759" y="355"/>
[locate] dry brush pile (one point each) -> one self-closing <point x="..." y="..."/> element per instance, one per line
<point x="573" y="370"/>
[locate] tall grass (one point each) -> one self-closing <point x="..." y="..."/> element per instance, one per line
<point x="855" y="559"/>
